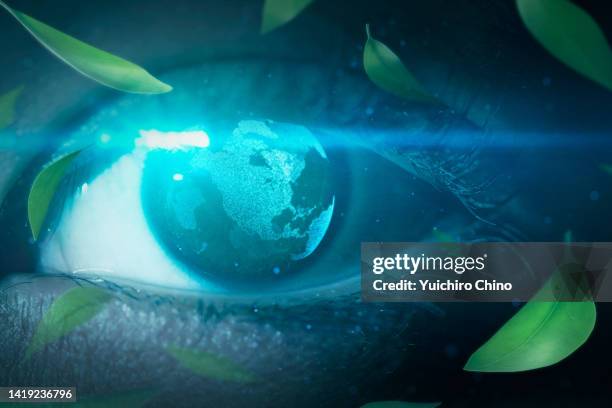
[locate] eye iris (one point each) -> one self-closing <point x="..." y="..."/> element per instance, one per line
<point x="252" y="205"/>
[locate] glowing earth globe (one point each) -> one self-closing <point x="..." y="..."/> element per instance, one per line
<point x="245" y="209"/>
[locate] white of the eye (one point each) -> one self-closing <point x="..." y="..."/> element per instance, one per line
<point x="103" y="231"/>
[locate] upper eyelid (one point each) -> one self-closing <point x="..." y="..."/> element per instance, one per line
<point x="346" y="111"/>
<point x="87" y="99"/>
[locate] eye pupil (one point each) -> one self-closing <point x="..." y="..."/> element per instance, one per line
<point x="254" y="203"/>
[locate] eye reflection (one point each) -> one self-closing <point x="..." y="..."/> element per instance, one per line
<point x="246" y="210"/>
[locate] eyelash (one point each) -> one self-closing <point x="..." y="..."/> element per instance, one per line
<point x="445" y="169"/>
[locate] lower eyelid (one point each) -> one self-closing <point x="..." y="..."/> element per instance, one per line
<point x="37" y="292"/>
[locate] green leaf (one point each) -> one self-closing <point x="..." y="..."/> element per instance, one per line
<point x="70" y="310"/>
<point x="279" y="12"/>
<point x="571" y="35"/>
<point x="568" y="237"/>
<point x="7" y="107"/>
<point x="539" y="335"/>
<point x="96" y="64"/>
<point x="210" y="366"/>
<point x="441" y="236"/>
<point x="401" y="404"/>
<point x="386" y="70"/>
<point x="43" y="191"/>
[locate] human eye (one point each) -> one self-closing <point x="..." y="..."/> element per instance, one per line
<point x="216" y="205"/>
<point x="221" y="188"/>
